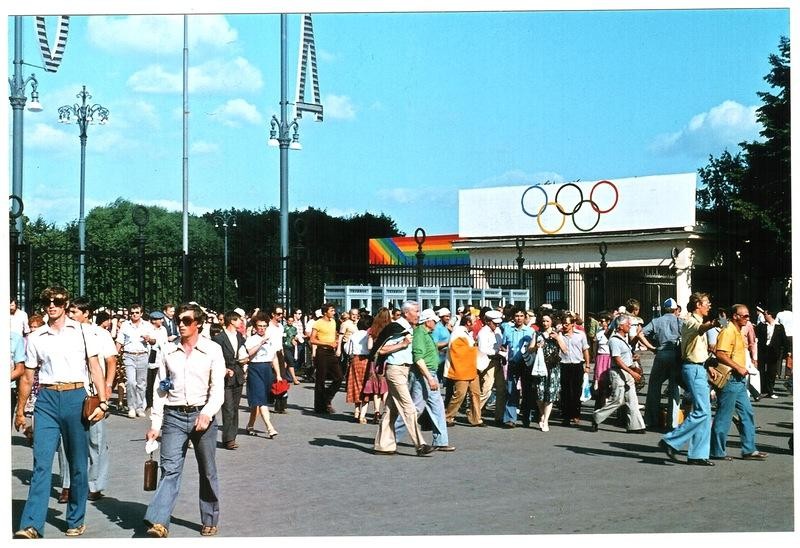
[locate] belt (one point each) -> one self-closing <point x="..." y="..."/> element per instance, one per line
<point x="136" y="353"/>
<point x="184" y="408"/>
<point x="61" y="386"/>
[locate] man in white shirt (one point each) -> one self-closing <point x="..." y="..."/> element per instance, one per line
<point x="489" y="342"/>
<point x="784" y="318"/>
<point x="134" y="338"/>
<point x="80" y="310"/>
<point x="19" y="319"/>
<point x="66" y="362"/>
<point x="191" y="385"/>
<point x="161" y="335"/>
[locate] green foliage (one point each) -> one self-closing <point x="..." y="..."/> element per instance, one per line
<point x="112" y="262"/>
<point x="748" y="195"/>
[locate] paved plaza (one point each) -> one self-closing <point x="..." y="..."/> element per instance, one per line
<point x="319" y="477"/>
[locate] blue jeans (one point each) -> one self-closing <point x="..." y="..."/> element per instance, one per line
<point x="733" y="395"/>
<point x="696" y="429"/>
<point x="136" y="380"/>
<point x="666" y="367"/>
<point x="98" y="458"/>
<point x="58" y="415"/>
<point x="425" y="398"/>
<point x="176" y="431"/>
<point x="513" y="393"/>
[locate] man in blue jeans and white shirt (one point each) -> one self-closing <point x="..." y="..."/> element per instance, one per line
<point x="67" y="362"/>
<point x="423" y="384"/>
<point x="190" y="391"/>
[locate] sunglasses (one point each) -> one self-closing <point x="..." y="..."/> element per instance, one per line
<point x="745" y="316"/>
<point x="59" y="302"/>
<point x="186" y="320"/>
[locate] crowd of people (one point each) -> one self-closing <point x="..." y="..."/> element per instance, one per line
<point x="415" y="370"/>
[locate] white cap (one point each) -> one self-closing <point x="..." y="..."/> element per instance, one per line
<point x="444" y="311"/>
<point x="239" y="311"/>
<point x="670" y="304"/>
<point x="426" y="315"/>
<point x="494" y="316"/>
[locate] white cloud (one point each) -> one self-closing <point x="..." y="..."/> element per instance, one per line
<point x="398" y="195"/>
<point x="155" y="79"/>
<point x="174" y="205"/>
<point x="45" y="137"/>
<point x="519" y="177"/>
<point x="238" y="111"/>
<point x="159" y="33"/>
<point x="217" y="75"/>
<point x="325" y="55"/>
<point x="203" y="147"/>
<point x="338" y="107"/>
<point x="723" y="126"/>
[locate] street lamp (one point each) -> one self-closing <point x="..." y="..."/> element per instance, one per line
<point x="84" y="115"/>
<point x="17" y="99"/>
<point x="224" y="220"/>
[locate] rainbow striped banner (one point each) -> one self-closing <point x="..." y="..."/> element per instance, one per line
<point x="402" y="250"/>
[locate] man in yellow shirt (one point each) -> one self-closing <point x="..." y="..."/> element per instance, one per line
<point x="730" y="350"/>
<point x="326" y="361"/>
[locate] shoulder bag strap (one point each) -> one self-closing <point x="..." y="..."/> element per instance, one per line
<point x="86" y="360"/>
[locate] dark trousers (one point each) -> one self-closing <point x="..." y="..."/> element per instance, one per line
<point x="327" y="366"/>
<point x="527" y="396"/>
<point x="230" y="413"/>
<point x="571" y="385"/>
<point x="768" y="366"/>
<point x="148" y="392"/>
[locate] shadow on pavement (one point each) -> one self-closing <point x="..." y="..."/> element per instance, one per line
<point x="627" y="450"/>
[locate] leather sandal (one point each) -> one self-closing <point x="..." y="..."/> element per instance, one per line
<point x="209" y="530"/>
<point x="157" y="530"/>
<point x="28" y="532"/>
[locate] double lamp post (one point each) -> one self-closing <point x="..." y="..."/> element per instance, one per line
<point x="84" y="114"/>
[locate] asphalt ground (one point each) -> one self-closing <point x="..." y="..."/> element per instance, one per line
<point x="319" y="477"/>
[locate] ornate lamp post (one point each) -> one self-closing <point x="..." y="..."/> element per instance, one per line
<point x="140" y="217"/>
<point x="603" y="248"/>
<point x="519" y="242"/>
<point x="224" y="220"/>
<point x="17" y="99"/>
<point x="419" y="237"/>
<point x="84" y="115"/>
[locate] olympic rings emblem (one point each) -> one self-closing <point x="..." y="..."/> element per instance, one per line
<point x="587" y="223"/>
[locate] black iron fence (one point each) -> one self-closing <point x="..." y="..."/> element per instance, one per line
<point x="119" y="279"/>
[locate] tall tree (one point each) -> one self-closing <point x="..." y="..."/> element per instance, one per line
<point x="747" y="195"/>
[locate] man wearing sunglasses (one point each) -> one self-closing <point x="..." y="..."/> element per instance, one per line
<point x="191" y="390"/>
<point x="66" y="361"/>
<point x="134" y="339"/>
<point x="730" y="350"/>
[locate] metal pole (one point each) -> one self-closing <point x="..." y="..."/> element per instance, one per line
<point x="185" y="215"/>
<point x="17" y="100"/>
<point x="141" y="269"/>
<point x="284" y="173"/>
<point x="419" y="237"/>
<point x="224" y="266"/>
<point x="81" y="217"/>
<point x="603" y="266"/>
<point x="520" y="243"/>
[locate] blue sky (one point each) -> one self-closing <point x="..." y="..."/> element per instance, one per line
<point x="417" y="106"/>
